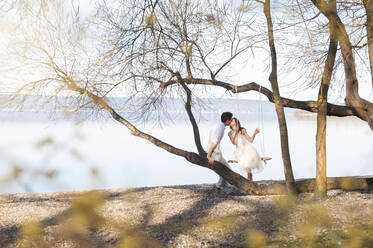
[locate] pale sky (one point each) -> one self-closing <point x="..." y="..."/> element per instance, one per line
<point x="253" y="70"/>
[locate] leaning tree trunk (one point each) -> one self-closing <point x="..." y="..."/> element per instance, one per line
<point x="321" y="183"/>
<point x="363" y="107"/>
<point x="306" y="185"/>
<point x="289" y="177"/>
<point x="368" y="5"/>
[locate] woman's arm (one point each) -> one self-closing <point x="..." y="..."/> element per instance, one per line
<point x="250" y="139"/>
<point x="233" y="138"/>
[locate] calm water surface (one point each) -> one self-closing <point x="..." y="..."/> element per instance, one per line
<point x="103" y="154"/>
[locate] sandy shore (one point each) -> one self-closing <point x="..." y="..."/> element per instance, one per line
<point x="183" y="216"/>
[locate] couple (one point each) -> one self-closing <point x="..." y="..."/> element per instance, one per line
<point x="246" y="156"/>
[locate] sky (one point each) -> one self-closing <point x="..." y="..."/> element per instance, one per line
<point x="256" y="70"/>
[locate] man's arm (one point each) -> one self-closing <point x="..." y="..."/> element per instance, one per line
<point x="216" y="137"/>
<point x="211" y="149"/>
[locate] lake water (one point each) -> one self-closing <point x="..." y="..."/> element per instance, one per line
<point x="103" y="154"/>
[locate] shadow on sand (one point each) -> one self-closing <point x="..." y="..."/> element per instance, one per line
<point x="259" y="215"/>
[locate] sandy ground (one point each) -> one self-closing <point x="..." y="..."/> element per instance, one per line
<point x="181" y="216"/>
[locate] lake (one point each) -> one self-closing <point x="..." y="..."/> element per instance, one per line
<point x="65" y="155"/>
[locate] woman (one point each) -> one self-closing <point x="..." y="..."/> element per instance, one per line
<point x="246" y="155"/>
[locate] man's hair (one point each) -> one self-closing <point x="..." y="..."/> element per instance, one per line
<point x="226" y="116"/>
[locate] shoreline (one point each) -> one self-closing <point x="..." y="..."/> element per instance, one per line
<point x="369" y="179"/>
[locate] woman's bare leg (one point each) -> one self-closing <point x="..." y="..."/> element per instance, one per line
<point x="250" y="176"/>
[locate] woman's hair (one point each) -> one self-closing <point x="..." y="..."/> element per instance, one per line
<point x="238" y="123"/>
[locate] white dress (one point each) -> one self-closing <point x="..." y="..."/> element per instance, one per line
<point x="246" y="155"/>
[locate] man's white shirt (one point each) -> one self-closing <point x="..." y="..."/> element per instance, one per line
<point x="216" y="135"/>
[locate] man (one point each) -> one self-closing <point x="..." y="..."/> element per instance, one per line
<point x="214" y="153"/>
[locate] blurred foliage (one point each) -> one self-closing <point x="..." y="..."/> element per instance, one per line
<point x="256" y="239"/>
<point x="81" y="227"/>
<point x="313" y="228"/>
<point x="50" y="147"/>
<point x="44" y="142"/>
<point x="84" y="211"/>
<point x="227" y="222"/>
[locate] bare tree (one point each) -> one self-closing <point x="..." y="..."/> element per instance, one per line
<point x="277" y="100"/>
<point x="153" y="50"/>
<point x="363" y="107"/>
<point x="321" y="182"/>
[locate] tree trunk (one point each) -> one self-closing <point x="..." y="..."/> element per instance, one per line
<point x="289" y="177"/>
<point x="188" y="108"/>
<point x="363" y="107"/>
<point x="346" y="183"/>
<point x="321" y="184"/>
<point x="368" y="5"/>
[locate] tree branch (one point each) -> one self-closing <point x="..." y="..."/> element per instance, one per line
<point x="310" y="106"/>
